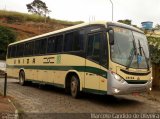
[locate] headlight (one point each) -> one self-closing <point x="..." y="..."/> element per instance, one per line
<point x="120" y="79"/>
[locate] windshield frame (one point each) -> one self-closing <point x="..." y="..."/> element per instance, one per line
<point x="132" y="30"/>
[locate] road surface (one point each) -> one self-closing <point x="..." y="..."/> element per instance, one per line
<point x="47" y="99"/>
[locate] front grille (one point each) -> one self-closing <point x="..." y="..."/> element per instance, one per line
<point x="136" y="81"/>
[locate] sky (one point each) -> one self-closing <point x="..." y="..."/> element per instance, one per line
<point x="87" y="10"/>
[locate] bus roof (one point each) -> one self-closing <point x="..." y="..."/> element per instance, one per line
<point x="105" y="23"/>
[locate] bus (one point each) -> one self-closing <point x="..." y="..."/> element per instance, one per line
<point x="98" y="57"/>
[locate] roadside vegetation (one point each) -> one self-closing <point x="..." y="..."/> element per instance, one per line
<point x="29" y="25"/>
<point x="12" y="17"/>
<point x="154" y="44"/>
<point x="6" y="36"/>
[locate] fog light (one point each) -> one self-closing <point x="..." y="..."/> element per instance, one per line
<point x="150" y="89"/>
<point x="116" y="90"/>
<point x="151" y="78"/>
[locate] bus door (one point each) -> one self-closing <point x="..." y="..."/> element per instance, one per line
<point x="93" y="68"/>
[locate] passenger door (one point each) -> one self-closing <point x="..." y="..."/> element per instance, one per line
<point x="92" y="78"/>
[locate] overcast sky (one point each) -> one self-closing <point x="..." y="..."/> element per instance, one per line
<point x="83" y="10"/>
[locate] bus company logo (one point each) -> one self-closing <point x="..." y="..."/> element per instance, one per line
<point x="48" y="60"/>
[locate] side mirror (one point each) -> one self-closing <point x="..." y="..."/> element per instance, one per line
<point x="111" y="35"/>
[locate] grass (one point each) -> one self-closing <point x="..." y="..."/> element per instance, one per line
<point x="12" y="16"/>
<point x="28" y="25"/>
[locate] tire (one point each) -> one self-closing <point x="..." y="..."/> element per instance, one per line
<point x="75" y="87"/>
<point x="68" y="90"/>
<point x="22" y="78"/>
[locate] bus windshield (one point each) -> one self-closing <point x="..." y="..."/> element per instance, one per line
<point x="130" y="49"/>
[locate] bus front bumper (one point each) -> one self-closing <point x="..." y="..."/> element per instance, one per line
<point x="117" y="88"/>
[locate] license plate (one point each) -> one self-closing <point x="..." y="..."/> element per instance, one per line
<point x="135" y="94"/>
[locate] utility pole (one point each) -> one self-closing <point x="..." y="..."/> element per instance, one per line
<point x="4" y="5"/>
<point x="112" y="9"/>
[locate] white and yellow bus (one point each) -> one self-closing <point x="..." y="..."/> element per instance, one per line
<point x="99" y="57"/>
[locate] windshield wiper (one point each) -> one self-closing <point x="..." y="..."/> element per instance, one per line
<point x="140" y="47"/>
<point x="132" y="55"/>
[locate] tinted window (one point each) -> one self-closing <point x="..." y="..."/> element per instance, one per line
<point x="51" y="45"/>
<point x="78" y="40"/>
<point x="37" y="47"/>
<point x="9" y="52"/>
<point x="68" y="42"/>
<point x="55" y="44"/>
<point x="81" y="39"/>
<point x="74" y="41"/>
<point x="40" y="46"/>
<point x="93" y="50"/>
<point x="58" y="46"/>
<point x="104" y="53"/>
<point x="20" y="49"/>
<point x="29" y="48"/>
<point x="13" y="51"/>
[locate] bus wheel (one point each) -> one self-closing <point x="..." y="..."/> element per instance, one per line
<point x="22" y="78"/>
<point x="75" y="87"/>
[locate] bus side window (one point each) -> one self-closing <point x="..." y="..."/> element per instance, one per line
<point x="42" y="48"/>
<point x="68" y="41"/>
<point x="37" y="47"/>
<point x="78" y="40"/>
<point x="74" y="41"/>
<point x="55" y="44"/>
<point x="20" y="50"/>
<point x="51" y="44"/>
<point x="58" y="46"/>
<point x="93" y="50"/>
<point x="29" y="48"/>
<point x="26" y="49"/>
<point x="9" y="52"/>
<point x="13" y="51"/>
<point x="104" y="52"/>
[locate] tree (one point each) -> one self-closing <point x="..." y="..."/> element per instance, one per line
<point x="154" y="44"/>
<point x="7" y="36"/>
<point x="38" y="7"/>
<point x="157" y="26"/>
<point x="126" y="21"/>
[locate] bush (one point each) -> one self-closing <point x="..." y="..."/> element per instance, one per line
<point x="7" y="36"/>
<point x="154" y="45"/>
